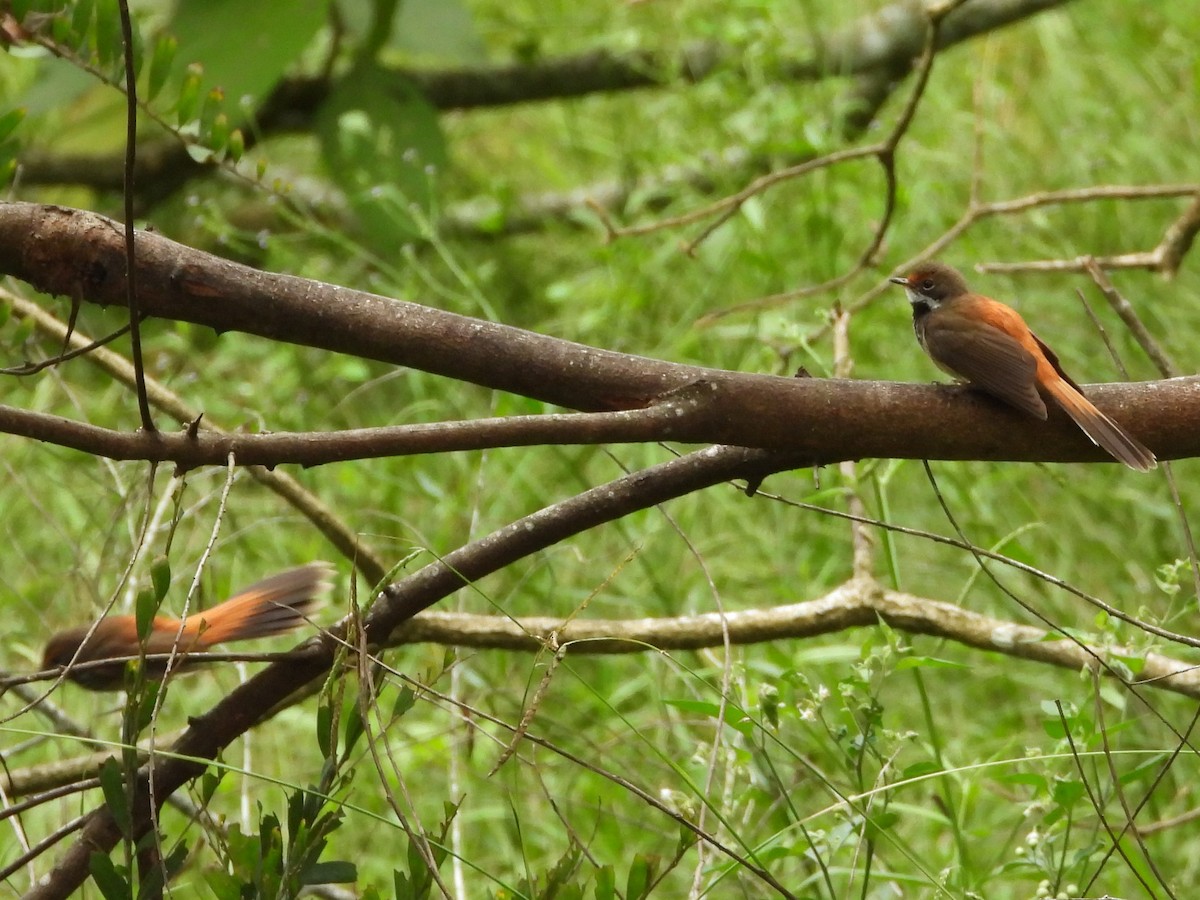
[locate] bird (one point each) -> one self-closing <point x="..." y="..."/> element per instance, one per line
<point x="988" y="345"/>
<point x="272" y="606"/>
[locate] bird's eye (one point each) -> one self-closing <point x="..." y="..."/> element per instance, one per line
<point x="927" y="284"/>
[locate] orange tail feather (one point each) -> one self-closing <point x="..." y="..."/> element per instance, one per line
<point x="1103" y="431"/>
<point x="272" y="606"/>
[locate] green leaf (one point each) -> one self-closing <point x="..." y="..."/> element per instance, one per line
<point x="382" y="144"/>
<point x="236" y="146"/>
<point x="189" y="94"/>
<point x="112" y="786"/>
<point x="1067" y="793"/>
<point x="921" y="769"/>
<point x="146" y="701"/>
<point x="402" y="887"/>
<point x="211" y="109"/>
<point x="325" y="737"/>
<point x="332" y="872"/>
<point x="879" y="823"/>
<point x="405" y="700"/>
<point x="1032" y="779"/>
<point x="150" y="883"/>
<point x="734" y="717"/>
<point x="1148" y="768"/>
<point x="641" y="875"/>
<point x="606" y="883"/>
<point x="558" y="878"/>
<point x="245" y="48"/>
<point x="160" y="577"/>
<point x="146" y="608"/>
<point x="223" y="885"/>
<point x="107" y="32"/>
<point x="353" y="731"/>
<point x="9" y="122"/>
<point x="112" y="882"/>
<point x="162" y="60"/>
<point x="209" y="782"/>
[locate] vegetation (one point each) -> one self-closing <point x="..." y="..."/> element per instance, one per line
<point x="899" y="756"/>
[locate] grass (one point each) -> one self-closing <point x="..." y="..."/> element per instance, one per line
<point x="965" y="778"/>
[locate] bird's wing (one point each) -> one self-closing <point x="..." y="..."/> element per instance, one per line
<point x="991" y="360"/>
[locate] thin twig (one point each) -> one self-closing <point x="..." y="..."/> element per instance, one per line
<point x="131" y="120"/>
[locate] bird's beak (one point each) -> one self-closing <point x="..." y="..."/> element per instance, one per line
<point x="900" y="281"/>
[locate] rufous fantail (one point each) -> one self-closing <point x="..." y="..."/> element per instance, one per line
<point x="987" y="344"/>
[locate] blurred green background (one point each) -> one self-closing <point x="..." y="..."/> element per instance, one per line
<point x="365" y="191"/>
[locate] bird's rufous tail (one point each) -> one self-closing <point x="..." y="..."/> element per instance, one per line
<point x="1103" y="431"/>
<point x="272" y="606"/>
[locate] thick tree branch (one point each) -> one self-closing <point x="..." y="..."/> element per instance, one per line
<point x="79" y="254"/>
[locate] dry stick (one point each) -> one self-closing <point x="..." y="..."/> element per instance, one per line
<point x="308" y="504"/>
<point x="1178" y="240"/>
<point x="244" y="707"/>
<point x="558" y="652"/>
<point x="1164" y="258"/>
<point x="884" y="152"/>
<point x="131" y="119"/>
<point x="978" y="211"/>
<point x="854" y="604"/>
<point x="1128" y="315"/>
<point x="32" y="368"/>
<point x="529" y="212"/>
<point x="871" y="90"/>
<point x="723" y="210"/>
<point x="1173" y="822"/>
<point x="1167" y="368"/>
